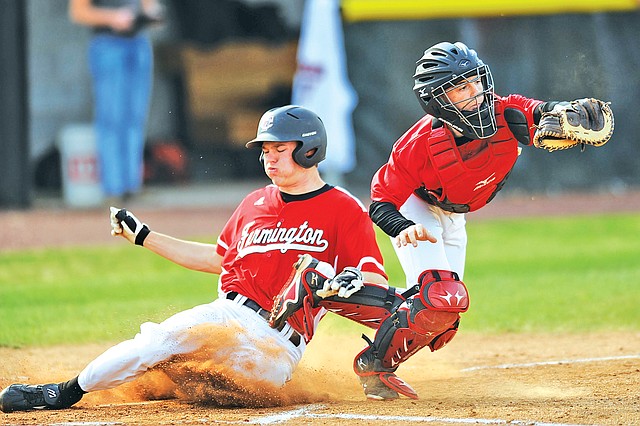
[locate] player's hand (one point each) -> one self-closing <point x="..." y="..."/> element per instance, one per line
<point x="124" y="223"/>
<point x="343" y="285"/>
<point x="413" y="234"/>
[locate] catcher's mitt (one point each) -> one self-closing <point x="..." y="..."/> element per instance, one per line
<point x="581" y="122"/>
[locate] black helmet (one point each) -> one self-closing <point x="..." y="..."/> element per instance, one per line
<point x="294" y="123"/>
<point x="442" y="67"/>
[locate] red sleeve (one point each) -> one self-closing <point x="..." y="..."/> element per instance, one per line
<point x="526" y="105"/>
<point x="228" y="231"/>
<point x="408" y="164"/>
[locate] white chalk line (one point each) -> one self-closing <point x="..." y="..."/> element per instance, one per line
<point x="307" y="412"/>
<point x="543" y="363"/>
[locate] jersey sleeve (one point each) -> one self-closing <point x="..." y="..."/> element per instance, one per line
<point x="227" y="234"/>
<point x="527" y="106"/>
<point x="396" y="180"/>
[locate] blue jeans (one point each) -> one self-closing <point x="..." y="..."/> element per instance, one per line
<point x="121" y="69"/>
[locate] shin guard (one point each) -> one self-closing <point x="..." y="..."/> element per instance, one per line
<point x="429" y="317"/>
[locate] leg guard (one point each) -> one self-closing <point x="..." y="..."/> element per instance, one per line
<point x="442" y="291"/>
<point x="379" y="381"/>
<point x="435" y="308"/>
<point x="370" y="306"/>
<point x="429" y="317"/>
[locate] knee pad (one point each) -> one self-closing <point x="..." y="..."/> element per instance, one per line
<point x="436" y="306"/>
<point x="442" y="291"/>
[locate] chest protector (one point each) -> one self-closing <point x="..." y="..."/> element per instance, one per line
<point x="467" y="188"/>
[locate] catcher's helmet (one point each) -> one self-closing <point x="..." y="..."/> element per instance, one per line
<point x="294" y="123"/>
<point x="444" y="66"/>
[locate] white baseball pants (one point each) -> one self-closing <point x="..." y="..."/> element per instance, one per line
<point x="234" y="334"/>
<point x="449" y="253"/>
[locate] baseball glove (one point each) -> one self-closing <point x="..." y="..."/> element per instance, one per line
<point x="581" y="122"/>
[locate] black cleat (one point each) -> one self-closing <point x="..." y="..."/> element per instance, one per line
<point x="20" y="397"/>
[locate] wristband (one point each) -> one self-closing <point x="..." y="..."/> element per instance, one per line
<point x="142" y="235"/>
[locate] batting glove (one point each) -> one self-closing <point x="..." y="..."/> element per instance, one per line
<point x="343" y="285"/>
<point x="126" y="224"/>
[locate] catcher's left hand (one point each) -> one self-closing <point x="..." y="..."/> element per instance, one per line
<point x="582" y="122"/>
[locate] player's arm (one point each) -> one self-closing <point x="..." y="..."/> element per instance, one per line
<point x="189" y="254"/>
<point x="391" y="186"/>
<point x="393" y="223"/>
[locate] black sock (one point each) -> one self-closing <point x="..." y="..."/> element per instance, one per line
<point x="70" y="393"/>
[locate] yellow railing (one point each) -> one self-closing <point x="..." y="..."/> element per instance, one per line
<point x="370" y="10"/>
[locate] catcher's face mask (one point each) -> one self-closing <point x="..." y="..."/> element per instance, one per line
<point x="468" y="103"/>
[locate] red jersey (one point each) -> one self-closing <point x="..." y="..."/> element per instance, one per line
<point x="265" y="235"/>
<point x="471" y="174"/>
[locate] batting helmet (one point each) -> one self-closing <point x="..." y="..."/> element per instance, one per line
<point x="444" y="66"/>
<point x="294" y="123"/>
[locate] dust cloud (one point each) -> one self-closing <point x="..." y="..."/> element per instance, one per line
<point x="209" y="376"/>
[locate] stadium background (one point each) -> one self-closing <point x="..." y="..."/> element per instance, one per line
<point x="584" y="378"/>
<point x="542" y="50"/>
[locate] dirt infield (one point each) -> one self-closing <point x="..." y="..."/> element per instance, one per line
<point x="477" y="379"/>
<point x="518" y="379"/>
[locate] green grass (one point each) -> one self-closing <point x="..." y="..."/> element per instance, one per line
<point x="562" y="274"/>
<point x="95" y="294"/>
<point x="532" y="275"/>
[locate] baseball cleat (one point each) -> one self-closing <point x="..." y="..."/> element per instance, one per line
<point x="375" y="389"/>
<point x="378" y="382"/>
<point x="20" y="397"/>
<point x="308" y="275"/>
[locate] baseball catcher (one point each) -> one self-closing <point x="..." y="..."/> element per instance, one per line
<point x="458" y="156"/>
<point x="452" y="161"/>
